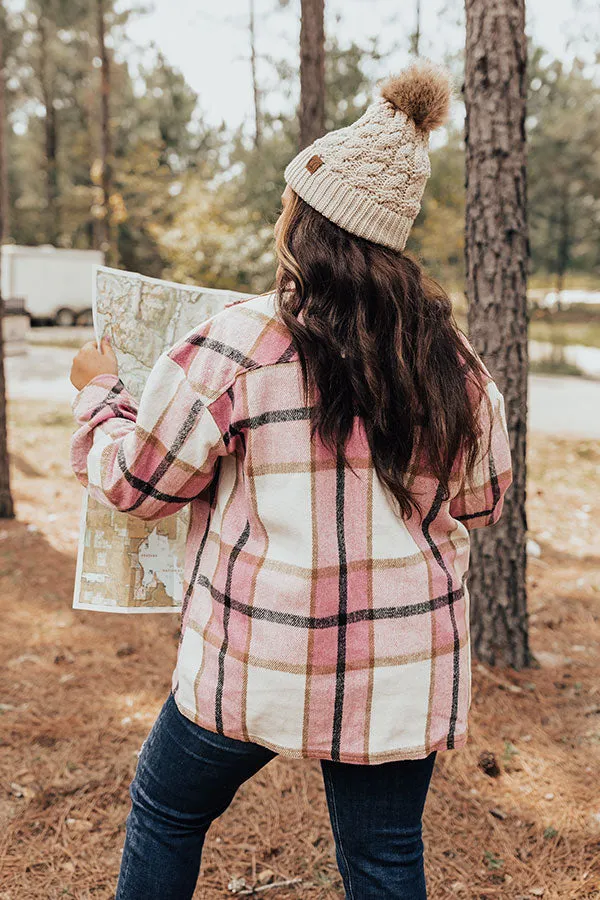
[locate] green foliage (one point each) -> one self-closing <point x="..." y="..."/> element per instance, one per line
<point x="510" y="751"/>
<point x="164" y="112"/>
<point x="493" y="862"/>
<point x="155" y="137"/>
<point x="437" y="236"/>
<point x="222" y="232"/>
<point x="564" y="168"/>
<point x="348" y="87"/>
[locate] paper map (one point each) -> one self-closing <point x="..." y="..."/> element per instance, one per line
<point x="125" y="564"/>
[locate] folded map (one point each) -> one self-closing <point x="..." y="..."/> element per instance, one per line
<point x="125" y="564"/>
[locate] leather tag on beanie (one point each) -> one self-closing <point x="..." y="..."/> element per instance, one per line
<point x="314" y="163"/>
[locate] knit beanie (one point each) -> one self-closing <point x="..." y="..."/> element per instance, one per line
<point x="369" y="177"/>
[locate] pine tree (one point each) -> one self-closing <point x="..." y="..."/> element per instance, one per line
<point x="312" y="71"/>
<point x="496" y="246"/>
<point x="105" y="135"/>
<point x="6" y="503"/>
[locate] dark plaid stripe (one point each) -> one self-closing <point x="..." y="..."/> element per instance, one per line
<point x="494" y="482"/>
<point x="117" y="409"/>
<point x="495" y="495"/>
<point x="236" y="429"/>
<point x="287" y="354"/>
<point x="429" y="518"/>
<point x="338" y="709"/>
<point x="476" y="515"/>
<point x="232" y="431"/>
<point x="212" y="496"/>
<point x="168" y="459"/>
<point x="200" y="340"/>
<point x="114" y="392"/>
<point x="226" y="613"/>
<point x="297" y="414"/>
<point x="360" y="615"/>
<point x="145" y="488"/>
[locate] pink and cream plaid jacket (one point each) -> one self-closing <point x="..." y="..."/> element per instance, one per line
<point x="315" y="621"/>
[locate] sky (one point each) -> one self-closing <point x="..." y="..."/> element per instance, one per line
<point x="208" y="41"/>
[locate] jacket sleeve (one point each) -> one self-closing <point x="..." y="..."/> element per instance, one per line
<point x="147" y="462"/>
<point x="479" y="501"/>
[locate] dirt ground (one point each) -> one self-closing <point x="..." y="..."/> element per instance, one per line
<point x="80" y="691"/>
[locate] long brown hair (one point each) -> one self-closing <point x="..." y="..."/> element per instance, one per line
<point x="377" y="339"/>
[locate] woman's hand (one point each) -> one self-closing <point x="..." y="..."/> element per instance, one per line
<point x="90" y="362"/>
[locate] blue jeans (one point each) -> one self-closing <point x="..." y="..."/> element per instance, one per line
<point x="187" y="776"/>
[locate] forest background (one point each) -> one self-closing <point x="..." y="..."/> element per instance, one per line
<point x="194" y="201"/>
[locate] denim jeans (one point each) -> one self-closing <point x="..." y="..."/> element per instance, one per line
<point x="187" y="776"/>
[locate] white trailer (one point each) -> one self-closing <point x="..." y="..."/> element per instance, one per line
<point x="55" y="284"/>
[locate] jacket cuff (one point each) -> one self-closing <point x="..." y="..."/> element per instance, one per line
<point x="94" y="394"/>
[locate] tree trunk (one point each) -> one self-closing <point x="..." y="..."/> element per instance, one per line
<point x="105" y="142"/>
<point x="50" y="132"/>
<point x="6" y="503"/>
<point x="4" y="189"/>
<point x="563" y="249"/>
<point x="90" y="126"/>
<point x="312" y="71"/>
<point x="3" y="155"/>
<point x="255" y="89"/>
<point x="496" y="252"/>
<point x="415" y="38"/>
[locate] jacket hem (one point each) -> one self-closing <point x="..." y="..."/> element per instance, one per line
<point x="396" y="755"/>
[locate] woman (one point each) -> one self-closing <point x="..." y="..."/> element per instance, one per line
<point x="336" y="440"/>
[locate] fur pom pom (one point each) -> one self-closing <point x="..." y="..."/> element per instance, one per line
<point x="422" y="92"/>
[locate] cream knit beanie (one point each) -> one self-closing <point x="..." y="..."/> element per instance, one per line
<point x="369" y="177"/>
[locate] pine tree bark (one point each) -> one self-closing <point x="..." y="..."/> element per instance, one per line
<point x="6" y="503"/>
<point x="496" y="251"/>
<point x="105" y="141"/>
<point x="415" y="38"/>
<point x="563" y="244"/>
<point x="46" y="79"/>
<point x="4" y="192"/>
<point x="312" y="71"/>
<point x="5" y="218"/>
<point x="255" y="88"/>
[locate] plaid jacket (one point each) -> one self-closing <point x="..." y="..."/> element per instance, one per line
<point x="315" y="621"/>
